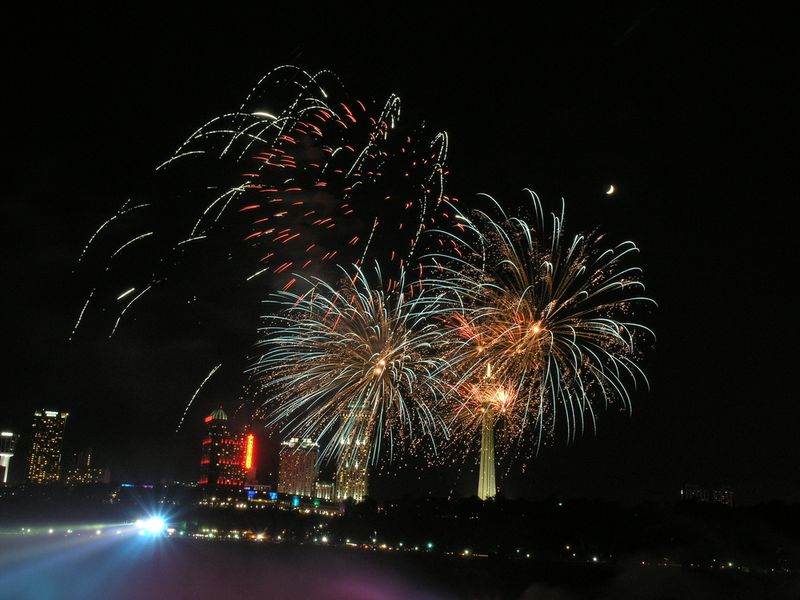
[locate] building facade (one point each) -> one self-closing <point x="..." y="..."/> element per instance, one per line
<point x="721" y="494"/>
<point x="352" y="466"/>
<point x="8" y="443"/>
<point x="222" y="465"/>
<point x="324" y="490"/>
<point x="83" y="473"/>
<point x="297" y="468"/>
<point x="47" y="438"/>
<point x="352" y="470"/>
<point x="351" y="479"/>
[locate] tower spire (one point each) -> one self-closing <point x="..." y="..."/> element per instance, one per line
<point x="487" y="487"/>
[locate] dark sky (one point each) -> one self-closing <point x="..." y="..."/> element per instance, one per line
<point x="687" y="113"/>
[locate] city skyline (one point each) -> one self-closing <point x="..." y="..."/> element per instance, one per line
<point x="395" y="301"/>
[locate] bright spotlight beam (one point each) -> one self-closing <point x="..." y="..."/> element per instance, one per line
<point x="153" y="525"/>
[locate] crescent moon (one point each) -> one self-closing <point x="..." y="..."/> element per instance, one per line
<point x="610" y="190"/>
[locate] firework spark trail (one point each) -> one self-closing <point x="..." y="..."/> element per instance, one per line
<point x="319" y="164"/>
<point x="542" y="324"/>
<point x="196" y="392"/>
<point x="120" y="213"/>
<point x="354" y="363"/>
<point x="126" y="244"/>
<point x="305" y="171"/>
<point x="124" y="310"/>
<point x="80" y="316"/>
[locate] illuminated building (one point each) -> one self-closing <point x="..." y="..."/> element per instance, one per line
<point x="351" y="477"/>
<point x="47" y="437"/>
<point x="8" y="441"/>
<point x="324" y="490"/>
<point x="222" y="464"/>
<point x="694" y="492"/>
<point x="352" y="470"/>
<point x="297" y="470"/>
<point x="722" y="495"/>
<point x="351" y="473"/>
<point x="257" y="492"/>
<point x="83" y="473"/>
<point x="717" y="495"/>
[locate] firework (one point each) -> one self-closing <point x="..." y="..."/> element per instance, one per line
<point x="543" y="323"/>
<point x="323" y="176"/>
<point x="354" y="367"/>
<point x="302" y="178"/>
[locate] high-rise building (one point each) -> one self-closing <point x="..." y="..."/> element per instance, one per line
<point x="694" y="492"/>
<point x="351" y="477"/>
<point x="224" y="454"/>
<point x="722" y="495"/>
<point x="352" y="469"/>
<point x="47" y="437"/>
<point x="8" y="442"/>
<point x="297" y="469"/>
<point x="83" y="473"/>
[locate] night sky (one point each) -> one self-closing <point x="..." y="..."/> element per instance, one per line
<point x="687" y="113"/>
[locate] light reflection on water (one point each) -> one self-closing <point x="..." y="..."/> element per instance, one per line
<point x="133" y="566"/>
<point x="130" y="566"/>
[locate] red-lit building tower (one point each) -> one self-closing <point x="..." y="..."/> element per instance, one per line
<point x="224" y="454"/>
<point x="249" y="456"/>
